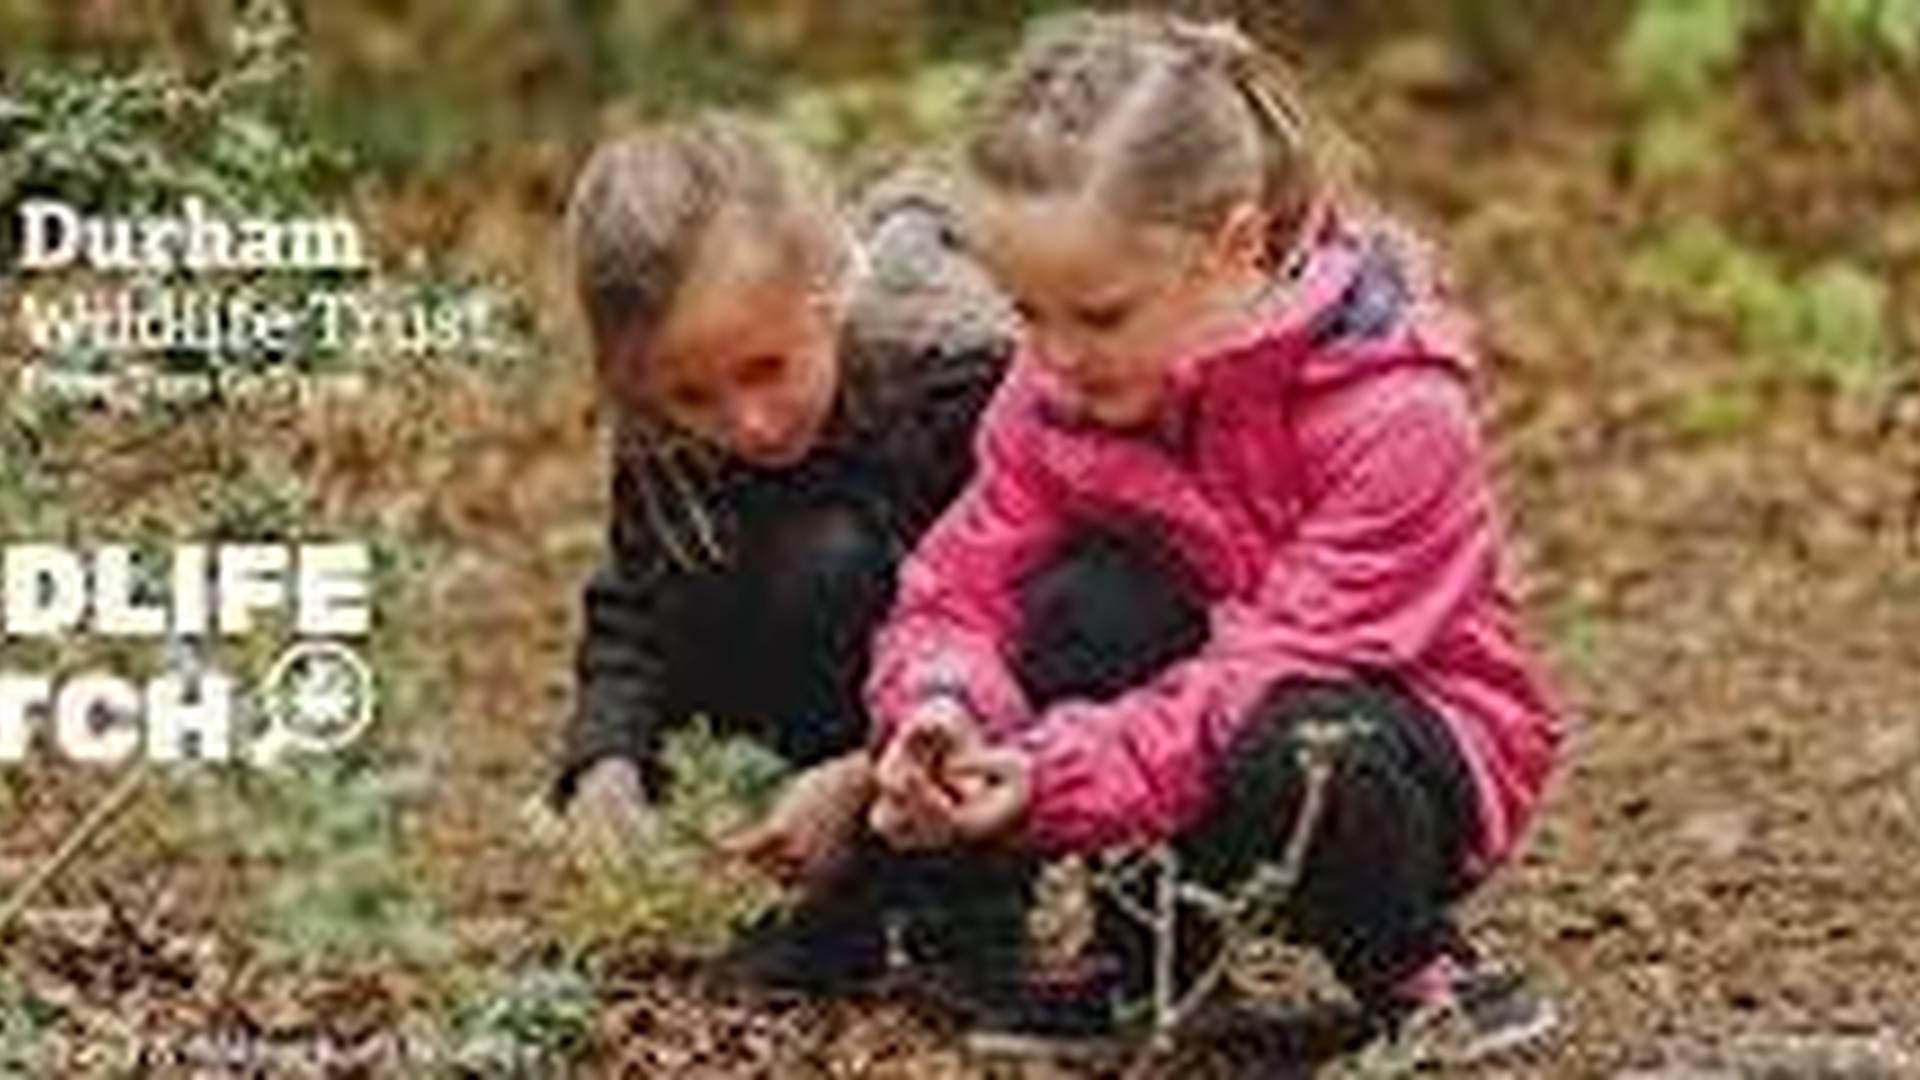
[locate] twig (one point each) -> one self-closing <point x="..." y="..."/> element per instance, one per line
<point x="1252" y="905"/>
<point x="75" y="841"/>
<point x="1166" y="940"/>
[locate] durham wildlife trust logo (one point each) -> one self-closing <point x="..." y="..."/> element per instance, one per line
<point x="316" y="696"/>
<point x="176" y="304"/>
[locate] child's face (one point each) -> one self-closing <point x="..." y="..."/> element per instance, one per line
<point x="747" y="357"/>
<point x="1110" y="305"/>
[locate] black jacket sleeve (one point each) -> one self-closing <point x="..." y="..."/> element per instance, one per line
<point x="620" y="665"/>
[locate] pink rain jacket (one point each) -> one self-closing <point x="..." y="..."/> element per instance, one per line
<point x="1322" y="479"/>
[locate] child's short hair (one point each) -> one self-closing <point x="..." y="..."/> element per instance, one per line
<point x="1174" y="121"/>
<point x="643" y="205"/>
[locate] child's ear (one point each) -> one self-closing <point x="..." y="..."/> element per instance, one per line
<point x="840" y="274"/>
<point x="1240" y="242"/>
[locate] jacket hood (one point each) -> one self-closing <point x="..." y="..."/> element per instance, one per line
<point x="1357" y="295"/>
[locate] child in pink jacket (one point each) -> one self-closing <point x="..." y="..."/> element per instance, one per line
<point x="1234" y="483"/>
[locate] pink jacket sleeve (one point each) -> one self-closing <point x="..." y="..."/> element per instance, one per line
<point x="1398" y="533"/>
<point x="956" y="607"/>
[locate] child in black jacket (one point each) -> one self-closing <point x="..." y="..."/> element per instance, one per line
<point x="794" y="398"/>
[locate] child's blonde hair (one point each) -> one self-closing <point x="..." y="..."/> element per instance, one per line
<point x="1169" y="120"/>
<point x="639" y="214"/>
<point x="643" y="205"/>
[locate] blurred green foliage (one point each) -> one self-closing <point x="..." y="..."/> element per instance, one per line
<point x="676" y="887"/>
<point x="341" y="890"/>
<point x="1673" y="51"/>
<point x="33" y="495"/>
<point x="25" y="1020"/>
<point x="421" y="87"/>
<point x="1677" y="52"/>
<point x="1828" y="323"/>
<point x="1854" y="29"/>
<point x="1676" y="60"/>
<point x="153" y="134"/>
<point x="527" y="1022"/>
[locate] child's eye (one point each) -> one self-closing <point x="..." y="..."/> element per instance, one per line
<point x="689" y="399"/>
<point x="761" y="370"/>
<point x="1025" y="311"/>
<point x="1102" y="317"/>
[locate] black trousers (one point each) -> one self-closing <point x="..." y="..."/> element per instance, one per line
<point x="1384" y="862"/>
<point x="775" y="648"/>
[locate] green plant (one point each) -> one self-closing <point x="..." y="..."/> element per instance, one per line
<point x="718" y="780"/>
<point x="677" y="888"/>
<point x="323" y="839"/>
<point x="25" y="1020"/>
<point x="146" y="139"/>
<point x="1856" y="29"/>
<point x="152" y="135"/>
<point x="1843" y="327"/>
<point x="840" y="119"/>
<point x="1716" y="410"/>
<point x="252" y="499"/>
<point x="1675" y="56"/>
<point x="1676" y="144"/>
<point x="524" y="1023"/>
<point x="1674" y="50"/>
<point x="1829" y="323"/>
<point x="31" y="493"/>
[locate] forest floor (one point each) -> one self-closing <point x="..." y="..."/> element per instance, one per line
<point x="1723" y="876"/>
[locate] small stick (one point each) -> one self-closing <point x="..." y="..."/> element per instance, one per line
<point x="1270" y="886"/>
<point x="75" y="841"/>
<point x="1166" y="912"/>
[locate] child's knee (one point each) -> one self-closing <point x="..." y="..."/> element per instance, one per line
<point x="1372" y="818"/>
<point x="1103" y="616"/>
<point x="825" y="562"/>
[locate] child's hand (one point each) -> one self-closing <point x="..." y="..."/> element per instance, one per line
<point x="807" y="834"/>
<point x="941" y="783"/>
<point x="609" y="815"/>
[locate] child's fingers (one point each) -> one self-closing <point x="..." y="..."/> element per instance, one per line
<point x="923" y="743"/>
<point x="909" y="826"/>
<point x="928" y="739"/>
<point x="765" y="845"/>
<point x="906" y="777"/>
<point x="892" y="772"/>
<point x="996" y="786"/>
<point x="929" y="801"/>
<point x="887" y="818"/>
<point x="745" y="843"/>
<point x="899" y="762"/>
<point x="895" y="823"/>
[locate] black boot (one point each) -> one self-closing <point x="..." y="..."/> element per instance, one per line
<point x="962" y="921"/>
<point x="832" y="941"/>
<point x="977" y="939"/>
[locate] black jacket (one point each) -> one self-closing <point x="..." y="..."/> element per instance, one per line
<point x="924" y="343"/>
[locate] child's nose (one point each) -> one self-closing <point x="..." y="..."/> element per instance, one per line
<point x="1060" y="355"/>
<point x="756" y="424"/>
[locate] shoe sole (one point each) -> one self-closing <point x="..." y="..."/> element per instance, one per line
<point x="1528" y="1036"/>
<point x="1007" y="1045"/>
